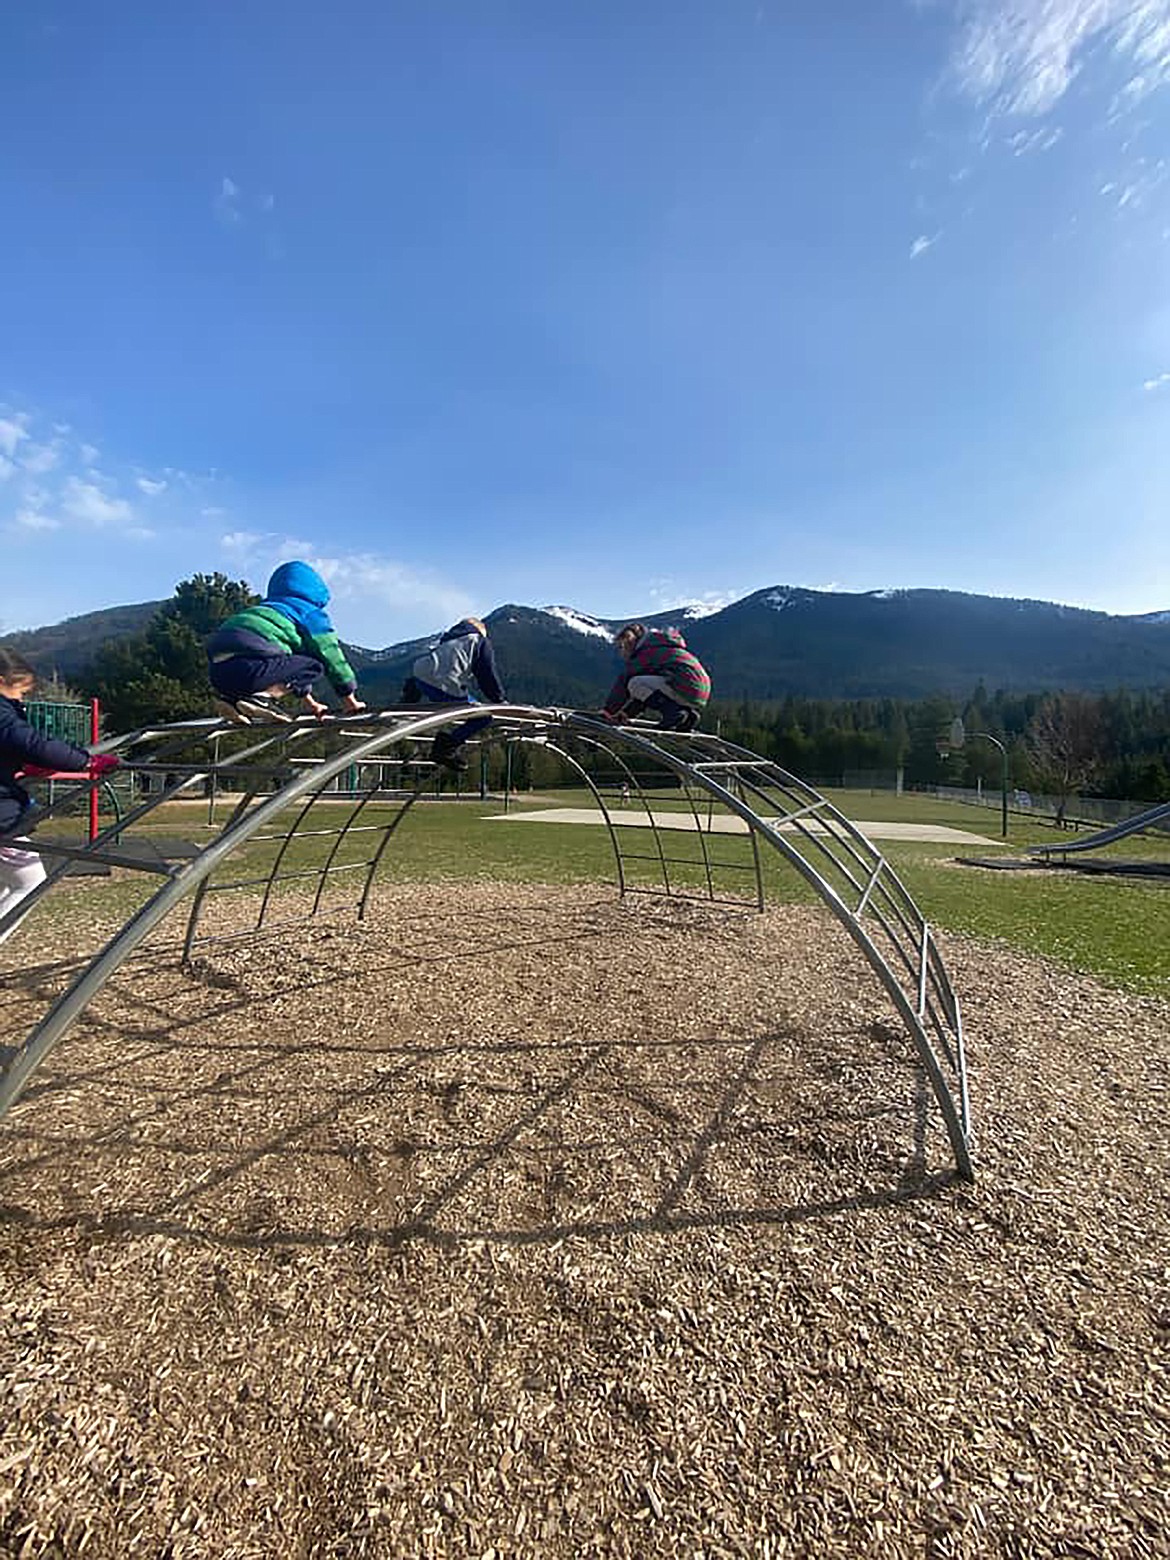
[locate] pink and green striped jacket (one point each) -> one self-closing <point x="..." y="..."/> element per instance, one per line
<point x="662" y="652"/>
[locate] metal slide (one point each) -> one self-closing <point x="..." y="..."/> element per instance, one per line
<point x="1153" y="817"/>
<point x="314" y="809"/>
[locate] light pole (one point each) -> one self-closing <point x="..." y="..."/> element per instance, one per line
<point x="958" y="740"/>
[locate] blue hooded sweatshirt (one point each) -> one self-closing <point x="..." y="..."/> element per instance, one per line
<point x="293" y="619"/>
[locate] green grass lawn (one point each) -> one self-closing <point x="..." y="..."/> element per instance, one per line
<point x="1117" y="929"/>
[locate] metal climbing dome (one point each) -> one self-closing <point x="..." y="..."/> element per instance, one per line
<point x="314" y="808"/>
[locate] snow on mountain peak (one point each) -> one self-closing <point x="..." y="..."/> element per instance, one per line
<point x="778" y="599"/>
<point x="579" y="622"/>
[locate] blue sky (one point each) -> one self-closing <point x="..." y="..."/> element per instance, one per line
<point x="614" y="303"/>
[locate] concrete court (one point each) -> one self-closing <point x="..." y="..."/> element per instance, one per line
<point x="724" y="823"/>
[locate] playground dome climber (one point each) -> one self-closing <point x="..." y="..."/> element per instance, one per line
<point x="316" y="806"/>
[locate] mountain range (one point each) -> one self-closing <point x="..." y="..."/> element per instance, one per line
<point x="777" y="641"/>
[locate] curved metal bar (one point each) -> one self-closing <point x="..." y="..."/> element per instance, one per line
<point x="31" y="900"/>
<point x="865" y="854"/>
<point x="702" y="836"/>
<point x="71" y="1003"/>
<point x="342" y="835"/>
<point x="554" y="747"/>
<point x="387" y="835"/>
<point x="285" y="847"/>
<point x="655" y="834"/>
<point x="145" y="807"/>
<point x="238" y="812"/>
<point x="922" y="997"/>
<point x="954" y="1117"/>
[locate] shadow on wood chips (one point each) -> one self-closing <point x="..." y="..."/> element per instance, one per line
<point x="520" y="1221"/>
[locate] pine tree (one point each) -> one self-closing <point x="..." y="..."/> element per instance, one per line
<point x="161" y="674"/>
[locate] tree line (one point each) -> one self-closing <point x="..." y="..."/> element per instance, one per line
<point x="1062" y="743"/>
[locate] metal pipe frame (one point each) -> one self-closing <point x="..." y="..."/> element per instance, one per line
<point x="844" y="868"/>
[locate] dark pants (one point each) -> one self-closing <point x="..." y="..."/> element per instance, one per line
<point x="454" y="736"/>
<point x="255" y="664"/>
<point x="675" y="717"/>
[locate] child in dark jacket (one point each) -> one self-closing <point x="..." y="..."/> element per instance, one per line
<point x="281" y="645"/>
<point x="661" y="675"/>
<point x="23" y="748"/>
<point x="444" y="676"/>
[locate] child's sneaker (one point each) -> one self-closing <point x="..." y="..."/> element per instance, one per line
<point x="229" y="711"/>
<point x="447" y="754"/>
<point x="263" y="706"/>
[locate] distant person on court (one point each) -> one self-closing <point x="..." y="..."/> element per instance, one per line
<point x="661" y="676"/>
<point x="24" y="749"/>
<point x="281" y="645"/>
<point x="444" y="675"/>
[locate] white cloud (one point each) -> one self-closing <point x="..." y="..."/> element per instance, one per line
<point x="85" y="501"/>
<point x="1021" y="56"/>
<point x="373" y="582"/>
<point x="1024" y="142"/>
<point x="368" y="591"/>
<point x="35" y="520"/>
<point x="227" y="202"/>
<point x="922" y="243"/>
<point x="1142" y="181"/>
<point x="666" y="596"/>
<point x="13" y="431"/>
<point x="39" y="458"/>
<point x="49" y="482"/>
<point x="232" y="203"/>
<point x="243" y="544"/>
<point x="1157" y="382"/>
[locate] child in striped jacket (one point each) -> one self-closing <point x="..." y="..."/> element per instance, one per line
<point x="660" y="675"/>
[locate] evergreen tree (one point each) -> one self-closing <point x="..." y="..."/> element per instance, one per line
<point x="161" y="674"/>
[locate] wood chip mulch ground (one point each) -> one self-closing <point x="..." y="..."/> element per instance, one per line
<point x="519" y="1221"/>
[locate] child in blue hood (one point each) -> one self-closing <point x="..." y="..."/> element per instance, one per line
<point x="281" y="645"/>
<point x="444" y="676"/>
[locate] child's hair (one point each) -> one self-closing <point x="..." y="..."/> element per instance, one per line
<point x="632" y="631"/>
<point x="467" y="625"/>
<point x="14" y="667"/>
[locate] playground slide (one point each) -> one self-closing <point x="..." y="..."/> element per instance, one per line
<point x="1159" y="814"/>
